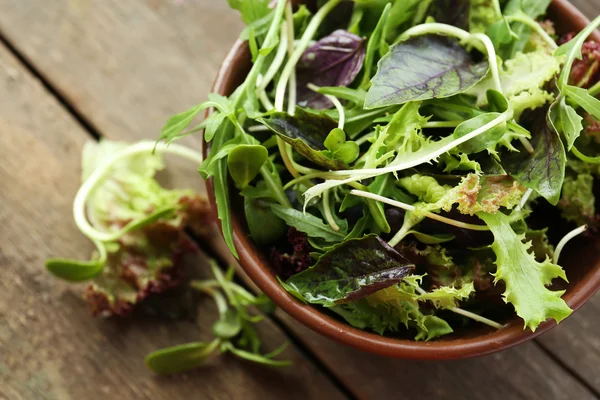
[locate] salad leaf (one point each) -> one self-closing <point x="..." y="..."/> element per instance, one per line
<point x="307" y="223"/>
<point x="421" y="68"/>
<point x="544" y="169"/>
<point x="334" y="60"/>
<point x="525" y="278"/>
<point x="482" y="15"/>
<point x="525" y="75"/>
<point x="373" y="45"/>
<point x="172" y="360"/>
<point x="577" y="201"/>
<point x="530" y="8"/>
<point x="487" y="139"/>
<point x="565" y="119"/>
<point x="448" y="296"/>
<point x="349" y="271"/>
<point x="452" y="12"/>
<point x="306" y="133"/>
<point x="264" y="226"/>
<point x="244" y="163"/>
<point x="250" y="10"/>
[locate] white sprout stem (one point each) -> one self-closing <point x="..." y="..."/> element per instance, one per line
<point x="289" y="16"/>
<point x="277" y="61"/>
<point x="101" y="173"/>
<point x="536" y="27"/>
<point x="497" y="9"/>
<point x="257" y="128"/>
<point x="527" y="144"/>
<point x="309" y="176"/>
<point x="476" y="317"/>
<point x="401" y="166"/>
<point x="264" y="99"/>
<point x="524" y="199"/>
<point x="408" y="207"/>
<point x="366" y="137"/>
<point x="442" y="124"/>
<point x="463" y="35"/>
<point x="338" y="106"/>
<point x="290" y="66"/>
<point x="466" y="313"/>
<point x="565" y="240"/>
<point x="327" y="212"/>
<point x="491" y="53"/>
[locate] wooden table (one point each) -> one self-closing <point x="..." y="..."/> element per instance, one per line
<point x="76" y="70"/>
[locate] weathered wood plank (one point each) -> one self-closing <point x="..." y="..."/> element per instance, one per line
<point x="50" y="347"/>
<point x="126" y="66"/>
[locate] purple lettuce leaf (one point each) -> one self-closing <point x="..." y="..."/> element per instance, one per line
<point x="335" y="60"/>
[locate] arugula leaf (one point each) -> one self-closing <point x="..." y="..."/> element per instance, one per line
<point x="565" y="119"/>
<point x="525" y="278"/>
<point x="307" y="223"/>
<point x="421" y="68"/>
<point x="544" y="169"/>
<point x="172" y="360"/>
<point x="349" y="271"/>
<point x="531" y="8"/>
<point x="374" y="43"/>
<point x="581" y="96"/>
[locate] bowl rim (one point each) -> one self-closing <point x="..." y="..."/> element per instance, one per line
<point x="312" y="317"/>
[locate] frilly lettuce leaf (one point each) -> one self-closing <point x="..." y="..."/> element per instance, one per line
<point x="482" y="15"/>
<point x="472" y="195"/>
<point x="144" y="261"/>
<point x="388" y="309"/>
<point x="525" y="278"/>
<point x="130" y="194"/>
<point x="522" y="79"/>
<point x="448" y="296"/>
<point x="577" y="200"/>
<point x="457" y="161"/>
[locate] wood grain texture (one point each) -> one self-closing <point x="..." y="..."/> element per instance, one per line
<point x="50" y="348"/>
<point x="126" y="67"/>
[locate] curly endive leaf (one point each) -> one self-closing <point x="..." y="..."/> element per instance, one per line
<point x="525" y="278"/>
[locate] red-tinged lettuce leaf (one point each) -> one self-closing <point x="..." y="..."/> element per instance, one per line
<point x="452" y="12"/>
<point x="544" y="169"/>
<point x="335" y="60"/>
<point x="422" y="68"/>
<point x="147" y="262"/>
<point x="306" y="133"/>
<point x="295" y="257"/>
<point x="349" y="271"/>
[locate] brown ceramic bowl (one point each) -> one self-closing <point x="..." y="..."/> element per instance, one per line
<point x="582" y="262"/>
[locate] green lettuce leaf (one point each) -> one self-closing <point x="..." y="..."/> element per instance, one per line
<point x="525" y="278"/>
<point x="523" y="78"/>
<point x="448" y="296"/>
<point x="577" y="200"/>
<point x="482" y="15"/>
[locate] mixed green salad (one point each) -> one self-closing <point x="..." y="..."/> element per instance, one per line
<point x="391" y="156"/>
<point x="411" y="166"/>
